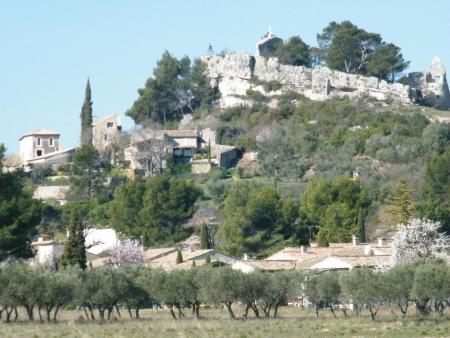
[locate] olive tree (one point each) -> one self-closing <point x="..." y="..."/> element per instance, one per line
<point x="364" y="286"/>
<point x="222" y="287"/>
<point x="431" y="287"/>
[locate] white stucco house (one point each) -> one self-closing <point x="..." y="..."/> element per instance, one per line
<point x="100" y="240"/>
<point x="47" y="251"/>
<point x="42" y="146"/>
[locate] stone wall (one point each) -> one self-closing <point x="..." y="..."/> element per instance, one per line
<point x="235" y="74"/>
<point x="431" y="85"/>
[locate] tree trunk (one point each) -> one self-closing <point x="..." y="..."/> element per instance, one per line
<point x="56" y="312"/>
<point x="136" y="313"/>
<point x="275" y="311"/>
<point x="110" y="310"/>
<point x="16" y="314"/>
<point x="29" y="310"/>
<point x="8" y="314"/>
<point x="230" y="310"/>
<point x="48" y="310"/>
<point x="245" y="315"/>
<point x="85" y="312"/>
<point x="172" y="312"/>
<point x="40" y="314"/>
<point x="332" y="310"/>
<point x="129" y="312"/>
<point x="255" y="310"/>
<point x="91" y="311"/>
<point x="180" y="313"/>
<point x="196" y="307"/>
<point x="317" y="311"/>
<point x="117" y="310"/>
<point x="403" y="309"/>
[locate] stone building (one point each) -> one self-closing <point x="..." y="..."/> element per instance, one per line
<point x="38" y="143"/>
<point x="105" y="131"/>
<point x="47" y="251"/>
<point x="431" y="85"/>
<point x="42" y="146"/>
<point x="149" y="149"/>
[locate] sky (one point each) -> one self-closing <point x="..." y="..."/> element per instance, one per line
<point x="48" y="49"/>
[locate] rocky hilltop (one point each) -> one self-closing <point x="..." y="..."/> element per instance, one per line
<point x="236" y="73"/>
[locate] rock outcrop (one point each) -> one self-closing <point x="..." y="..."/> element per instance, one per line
<point x="235" y="74"/>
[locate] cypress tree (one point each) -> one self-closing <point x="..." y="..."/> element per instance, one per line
<point x="179" y="257"/>
<point x="205" y="242"/>
<point x="86" y="117"/>
<point x="362" y="225"/>
<point x="75" y="250"/>
<point x="401" y="202"/>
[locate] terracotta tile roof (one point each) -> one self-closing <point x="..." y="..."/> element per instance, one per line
<point x="171" y="257"/>
<point x="150" y="254"/>
<point x="271" y="265"/>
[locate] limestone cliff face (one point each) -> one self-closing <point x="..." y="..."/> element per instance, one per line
<point x="235" y="74"/>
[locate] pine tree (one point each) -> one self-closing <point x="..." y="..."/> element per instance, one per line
<point x="75" y="250"/>
<point x="179" y="257"/>
<point x="401" y="202"/>
<point x="205" y="242"/>
<point x="86" y="117"/>
<point x="362" y="225"/>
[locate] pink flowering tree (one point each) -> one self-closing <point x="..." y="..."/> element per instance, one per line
<point x="128" y="252"/>
<point x="418" y="239"/>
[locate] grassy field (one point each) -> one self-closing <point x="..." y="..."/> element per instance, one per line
<point x="292" y="323"/>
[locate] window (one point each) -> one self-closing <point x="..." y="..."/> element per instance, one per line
<point x="50" y="141"/>
<point x="109" y="124"/>
<point x="38" y="152"/>
<point x="38" y="141"/>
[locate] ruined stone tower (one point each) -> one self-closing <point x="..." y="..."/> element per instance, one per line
<point x="431" y="86"/>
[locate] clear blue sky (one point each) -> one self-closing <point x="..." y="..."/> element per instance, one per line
<point x="49" y="48"/>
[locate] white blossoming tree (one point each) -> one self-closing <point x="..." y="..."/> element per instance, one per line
<point x="418" y="239"/>
<point x="127" y="252"/>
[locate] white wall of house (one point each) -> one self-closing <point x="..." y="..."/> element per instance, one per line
<point x="243" y="267"/>
<point x="26" y="148"/>
<point x="49" y="253"/>
<point x="99" y="240"/>
<point x="331" y="263"/>
<point x="186" y="142"/>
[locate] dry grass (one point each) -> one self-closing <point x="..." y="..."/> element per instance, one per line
<point x="292" y="323"/>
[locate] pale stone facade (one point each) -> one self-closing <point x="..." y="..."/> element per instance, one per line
<point x="105" y="131"/>
<point x="431" y="85"/>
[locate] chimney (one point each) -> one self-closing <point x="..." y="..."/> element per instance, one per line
<point x="245" y="257"/>
<point x="303" y="249"/>
<point x="382" y="241"/>
<point x="355" y="240"/>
